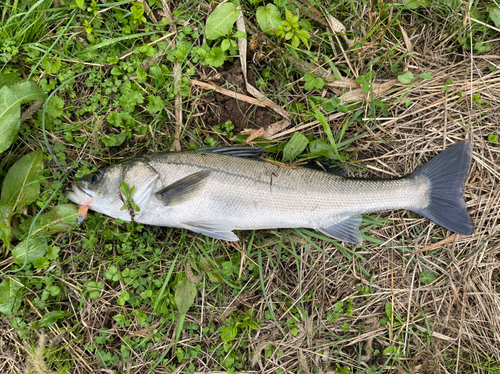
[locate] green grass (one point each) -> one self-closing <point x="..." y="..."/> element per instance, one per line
<point x="114" y="78"/>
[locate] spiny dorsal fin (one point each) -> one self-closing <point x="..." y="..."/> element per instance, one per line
<point x="183" y="189"/>
<point x="256" y="153"/>
<point x="245" y="152"/>
<point x="346" y="230"/>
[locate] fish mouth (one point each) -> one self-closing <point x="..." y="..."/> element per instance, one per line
<point x="79" y="195"/>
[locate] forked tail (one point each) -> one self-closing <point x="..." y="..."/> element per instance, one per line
<point x="446" y="174"/>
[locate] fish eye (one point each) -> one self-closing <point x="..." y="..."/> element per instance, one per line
<point x="96" y="177"/>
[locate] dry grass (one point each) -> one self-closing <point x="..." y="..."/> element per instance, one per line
<point x="449" y="326"/>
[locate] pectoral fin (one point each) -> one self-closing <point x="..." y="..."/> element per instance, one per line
<point x="346" y="230"/>
<point x="218" y="229"/>
<point x="183" y="189"/>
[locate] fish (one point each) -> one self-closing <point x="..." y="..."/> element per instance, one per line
<point x="213" y="191"/>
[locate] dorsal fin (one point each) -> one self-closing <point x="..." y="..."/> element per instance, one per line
<point x="238" y="151"/>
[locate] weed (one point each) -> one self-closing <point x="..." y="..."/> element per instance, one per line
<point x="378" y="88"/>
<point x="290" y="29"/>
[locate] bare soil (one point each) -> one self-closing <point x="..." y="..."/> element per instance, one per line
<point x="220" y="108"/>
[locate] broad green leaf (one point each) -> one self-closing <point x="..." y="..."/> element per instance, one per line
<point x="482" y="46"/>
<point x="406" y="77"/>
<point x="55" y="107"/>
<point x="226" y="43"/>
<point x="308" y="77"/>
<point x="5" y="234"/>
<point x="309" y="85"/>
<point x="342" y="108"/>
<point x="10" y="295"/>
<point x="141" y="75"/>
<point x="391" y="350"/>
<point x="123" y="298"/>
<point x="295" y="147"/>
<point x="312" y="82"/>
<point x="332" y="105"/>
<point x="11" y="99"/>
<point x="60" y="218"/>
<point x="366" y="86"/>
<point x="215" y="57"/>
<point x="131" y="96"/>
<point x="494" y="12"/>
<point x="20" y="187"/>
<point x="52" y="317"/>
<point x="51" y="66"/>
<point x="181" y="51"/>
<point x="388" y="310"/>
<point x="155" y="105"/>
<point x="52" y="252"/>
<point x="229" y="333"/>
<point x="239" y="34"/>
<point x="5" y="212"/>
<point x="425" y="75"/>
<point x="320" y="148"/>
<point x="303" y="35"/>
<point x="148" y="50"/>
<point x="221" y="21"/>
<point x="184" y="295"/>
<point x="268" y="17"/>
<point x="209" y="269"/>
<point x="116" y="71"/>
<point x="8" y="79"/>
<point x="427" y="277"/>
<point x="157" y="75"/>
<point x="32" y="248"/>
<point x="318" y="83"/>
<point x="384" y="321"/>
<point x="291" y="17"/>
<point x="113" y="140"/>
<point x="41" y="263"/>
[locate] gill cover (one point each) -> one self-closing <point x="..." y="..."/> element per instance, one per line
<point x="143" y="177"/>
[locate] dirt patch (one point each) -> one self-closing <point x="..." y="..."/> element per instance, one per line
<point x="220" y="108"/>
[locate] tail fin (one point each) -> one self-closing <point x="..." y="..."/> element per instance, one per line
<point x="447" y="173"/>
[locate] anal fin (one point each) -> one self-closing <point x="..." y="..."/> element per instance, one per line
<point x="346" y="230"/>
<point x="218" y="229"/>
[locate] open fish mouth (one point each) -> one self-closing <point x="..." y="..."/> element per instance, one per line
<point x="79" y="195"/>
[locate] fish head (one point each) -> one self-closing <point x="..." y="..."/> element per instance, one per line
<point x="101" y="192"/>
<point x="98" y="190"/>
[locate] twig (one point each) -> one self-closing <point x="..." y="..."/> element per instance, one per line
<point x="440" y="243"/>
<point x="234" y="95"/>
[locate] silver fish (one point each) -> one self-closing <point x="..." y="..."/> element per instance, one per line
<point x="214" y="191"/>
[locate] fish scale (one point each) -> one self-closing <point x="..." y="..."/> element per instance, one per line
<point x="212" y="192"/>
<point x="256" y="195"/>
